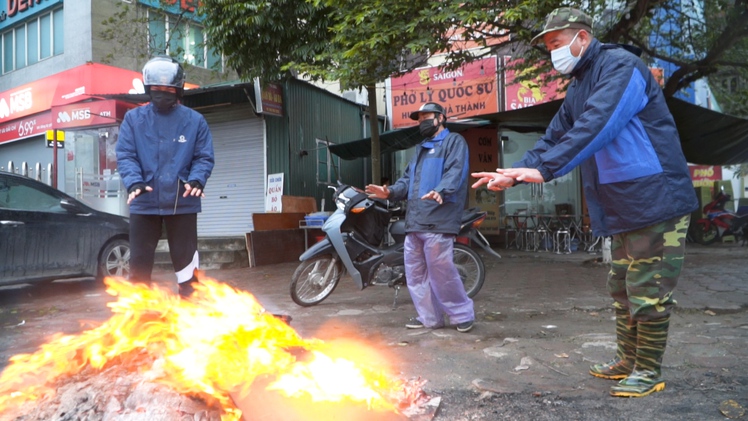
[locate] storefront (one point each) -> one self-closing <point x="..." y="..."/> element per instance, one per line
<point x="86" y="126"/>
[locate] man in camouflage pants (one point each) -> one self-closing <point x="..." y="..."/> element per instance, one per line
<point x="615" y="126"/>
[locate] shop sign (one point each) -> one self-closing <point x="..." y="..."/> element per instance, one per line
<point x="57" y="136"/>
<point x="176" y="7"/>
<point x="15" y="11"/>
<point x="705" y="175"/>
<point x="26" y="127"/>
<point x="87" y="114"/>
<point x="466" y="92"/>
<point x="527" y="93"/>
<point x="272" y="100"/>
<point x="273" y="202"/>
<point x="74" y="85"/>
<point x="484" y="156"/>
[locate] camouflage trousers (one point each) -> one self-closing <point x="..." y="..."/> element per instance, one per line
<point x="645" y="267"/>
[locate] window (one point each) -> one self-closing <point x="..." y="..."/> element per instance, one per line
<point x="33" y="41"/>
<point x="20" y="196"/>
<point x="182" y="39"/>
<point x="327" y="164"/>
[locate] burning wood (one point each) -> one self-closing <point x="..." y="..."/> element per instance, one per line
<point x="216" y="356"/>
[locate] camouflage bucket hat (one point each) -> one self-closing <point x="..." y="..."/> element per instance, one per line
<point x="564" y="18"/>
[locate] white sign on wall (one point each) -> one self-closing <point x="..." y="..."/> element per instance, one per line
<point x="273" y="193"/>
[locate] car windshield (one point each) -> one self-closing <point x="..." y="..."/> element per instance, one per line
<point x="20" y="196"/>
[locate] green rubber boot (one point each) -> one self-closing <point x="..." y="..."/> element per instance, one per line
<point x="623" y="363"/>
<point x="646" y="377"/>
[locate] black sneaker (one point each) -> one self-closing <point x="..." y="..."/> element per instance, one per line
<point x="414" y="323"/>
<point x="465" y="326"/>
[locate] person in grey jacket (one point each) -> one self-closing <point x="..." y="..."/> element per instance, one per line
<point x="164" y="156"/>
<point x="615" y="125"/>
<point x="435" y="186"/>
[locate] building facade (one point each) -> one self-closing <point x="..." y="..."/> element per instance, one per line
<point x="71" y="70"/>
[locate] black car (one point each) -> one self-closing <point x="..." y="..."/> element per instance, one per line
<point x="47" y="235"/>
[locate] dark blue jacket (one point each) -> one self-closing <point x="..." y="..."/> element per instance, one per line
<point x="615" y="124"/>
<point x="164" y="151"/>
<point x="439" y="164"/>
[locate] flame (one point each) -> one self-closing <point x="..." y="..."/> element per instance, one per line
<point x="213" y="345"/>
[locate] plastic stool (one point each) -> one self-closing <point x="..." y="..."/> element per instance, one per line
<point x="543" y="239"/>
<point x="562" y="241"/>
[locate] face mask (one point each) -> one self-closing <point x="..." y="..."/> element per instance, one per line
<point x="427" y="127"/>
<point x="163" y="101"/>
<point x="563" y="60"/>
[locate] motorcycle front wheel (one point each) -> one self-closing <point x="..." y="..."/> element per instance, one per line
<point x="315" y="279"/>
<point x="703" y="235"/>
<point x="470" y="267"/>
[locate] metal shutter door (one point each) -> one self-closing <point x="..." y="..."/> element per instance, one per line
<point x="236" y="188"/>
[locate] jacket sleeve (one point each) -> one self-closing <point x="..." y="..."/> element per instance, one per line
<point x="203" y="159"/>
<point x="614" y="100"/>
<point x="560" y="124"/>
<point x="128" y="164"/>
<point x="456" y="166"/>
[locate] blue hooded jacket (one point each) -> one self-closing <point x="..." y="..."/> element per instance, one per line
<point x="164" y="151"/>
<point x="615" y="124"/>
<point x="439" y="164"/>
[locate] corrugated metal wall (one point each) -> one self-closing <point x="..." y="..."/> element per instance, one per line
<point x="312" y="113"/>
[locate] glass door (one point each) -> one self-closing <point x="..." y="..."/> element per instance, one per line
<point x="561" y="195"/>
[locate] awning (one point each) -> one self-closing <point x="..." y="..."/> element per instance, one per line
<point x="707" y="137"/>
<point x="202" y="97"/>
<point x="391" y="141"/>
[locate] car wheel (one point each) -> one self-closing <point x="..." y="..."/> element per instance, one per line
<point x="114" y="260"/>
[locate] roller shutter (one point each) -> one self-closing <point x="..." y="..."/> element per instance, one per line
<point x="236" y="189"/>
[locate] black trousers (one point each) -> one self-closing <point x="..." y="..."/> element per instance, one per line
<point x="181" y="233"/>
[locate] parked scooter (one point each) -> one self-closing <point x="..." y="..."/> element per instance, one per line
<point x="718" y="222"/>
<point x="356" y="242"/>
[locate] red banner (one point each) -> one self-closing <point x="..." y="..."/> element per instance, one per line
<point x="74" y="85"/>
<point x="26" y="127"/>
<point x="466" y="92"/>
<point x="529" y="92"/>
<point x="705" y="175"/>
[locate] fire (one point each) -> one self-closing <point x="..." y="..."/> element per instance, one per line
<point x="214" y="345"/>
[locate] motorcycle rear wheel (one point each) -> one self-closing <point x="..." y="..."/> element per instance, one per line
<point x="312" y="282"/>
<point x="703" y="235"/>
<point x="470" y="267"/>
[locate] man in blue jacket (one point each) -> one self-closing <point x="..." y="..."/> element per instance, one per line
<point x="615" y="124"/>
<point x="164" y="156"/>
<point x="435" y="186"/>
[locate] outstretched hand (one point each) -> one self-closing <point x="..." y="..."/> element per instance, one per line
<point x="528" y="175"/>
<point x="379" y="192"/>
<point x="433" y="195"/>
<point x="492" y="180"/>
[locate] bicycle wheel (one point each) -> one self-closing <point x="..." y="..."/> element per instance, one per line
<point x="315" y="279"/>
<point x="470" y="267"/>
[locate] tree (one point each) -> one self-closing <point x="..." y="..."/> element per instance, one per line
<point x="326" y="40"/>
<point x="362" y="43"/>
<point x="136" y="33"/>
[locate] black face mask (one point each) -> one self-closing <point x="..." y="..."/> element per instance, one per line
<point x="163" y="101"/>
<point x="427" y="127"/>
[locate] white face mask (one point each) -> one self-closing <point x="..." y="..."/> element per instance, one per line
<point x="562" y="58"/>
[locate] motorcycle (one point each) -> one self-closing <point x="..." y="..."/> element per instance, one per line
<point x="355" y="243"/>
<point x="718" y="222"/>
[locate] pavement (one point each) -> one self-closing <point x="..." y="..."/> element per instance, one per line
<point x="541" y="320"/>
